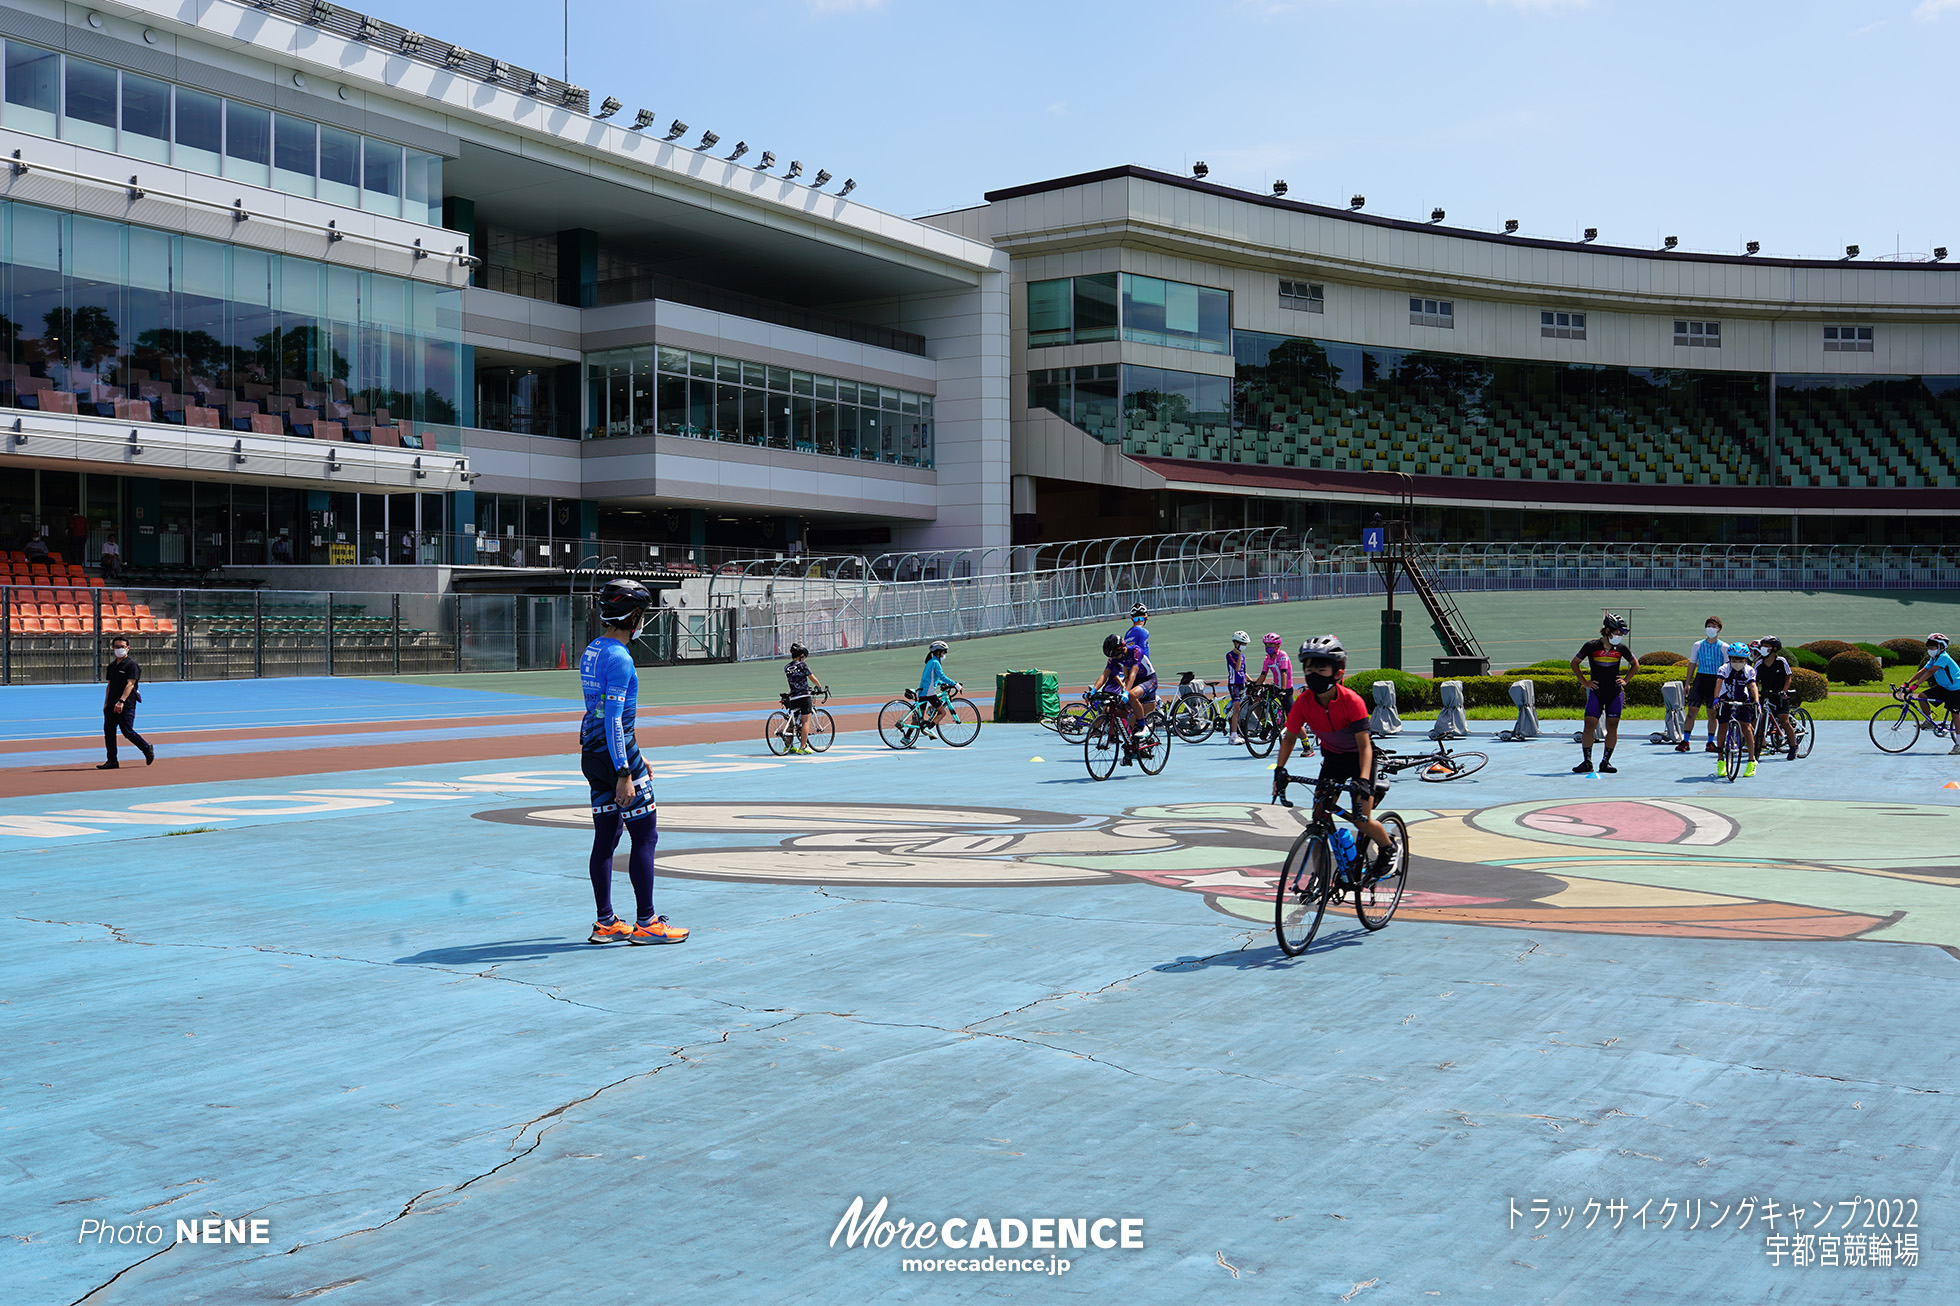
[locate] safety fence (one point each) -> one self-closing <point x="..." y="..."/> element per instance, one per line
<point x="61" y="635"/>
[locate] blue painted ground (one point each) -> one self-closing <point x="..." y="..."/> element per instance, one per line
<point x="375" y="1026"/>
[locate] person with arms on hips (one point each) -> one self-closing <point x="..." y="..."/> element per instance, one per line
<point x="1706" y="658"/>
<point x="1941" y="676"/>
<point x="1338" y="720"/>
<point x="1773" y="683"/>
<point x="609" y="755"/>
<point x="1609" y="665"/>
<point x="1128" y="672"/>
<point x="931" y="678"/>
<point x="1138" y="635"/>
<point x="119" y="705"/>
<point x="1276" y="672"/>
<point x="1736" y="698"/>
<point x="799" y="704"/>
<point x="1235" y="677"/>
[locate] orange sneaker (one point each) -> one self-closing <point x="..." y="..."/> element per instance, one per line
<point x="604" y="933"/>
<point x="657" y="931"/>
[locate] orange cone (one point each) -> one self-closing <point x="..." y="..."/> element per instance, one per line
<point x="562" y="666"/>
<point x="1951" y="784"/>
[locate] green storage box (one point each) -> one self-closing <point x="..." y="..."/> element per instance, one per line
<point x="1026" y="695"/>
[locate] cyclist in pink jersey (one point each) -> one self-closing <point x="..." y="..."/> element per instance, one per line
<point x="1277" y="671"/>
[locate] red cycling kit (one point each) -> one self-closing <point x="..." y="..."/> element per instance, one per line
<point x="1336" y="728"/>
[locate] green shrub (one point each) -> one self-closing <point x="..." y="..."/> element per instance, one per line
<point x="1644" y="690"/>
<point x="1413" y="693"/>
<point x="1828" y="648"/>
<point x="1886" y="657"/>
<point x="1662" y="658"/>
<point x="1807" y="686"/>
<point x="1855" y="668"/>
<point x="1807" y="660"/>
<point x="1911" y="651"/>
<point x="1487" y="691"/>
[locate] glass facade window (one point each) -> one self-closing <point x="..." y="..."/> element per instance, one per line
<point x="1698" y="335"/>
<point x="1177" y="315"/>
<point x="708" y="397"/>
<point x="1073" y="310"/>
<point x="1303" y="296"/>
<point x="56" y="95"/>
<point x="1562" y="326"/>
<point x="1847" y="340"/>
<point x="1432" y="312"/>
<point x="532" y="400"/>
<point x="99" y="314"/>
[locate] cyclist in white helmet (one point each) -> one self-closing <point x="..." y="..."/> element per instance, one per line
<point x="1235" y="669"/>
<point x="1941" y="676"/>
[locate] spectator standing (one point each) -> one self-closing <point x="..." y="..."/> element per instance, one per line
<point x="408" y="548"/>
<point x="111" y="558"/>
<point x="119" y="704"/>
<point x="77" y="538"/>
<point x="1708" y="657"/>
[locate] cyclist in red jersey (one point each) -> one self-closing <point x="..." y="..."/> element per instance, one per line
<point x="1339" y="721"/>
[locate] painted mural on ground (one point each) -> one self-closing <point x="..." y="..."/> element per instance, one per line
<point x="1734" y="868"/>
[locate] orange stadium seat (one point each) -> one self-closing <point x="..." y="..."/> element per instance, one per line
<point x="166" y="625"/>
<point x="146" y="625"/>
<point x="73" y="626"/>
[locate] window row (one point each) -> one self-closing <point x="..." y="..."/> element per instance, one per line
<point x="1847" y="339"/>
<point x="104" y="108"/>
<point x="648" y="390"/>
<point x="1562" y="326"/>
<point x="1303" y="296"/>
<point x="1432" y="312"/>
<point x="1698" y="335"/>
<point x="115" y="320"/>
<point x="1143" y="310"/>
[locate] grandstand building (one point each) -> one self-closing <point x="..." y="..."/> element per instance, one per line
<point x="284" y="285"/>
<point x="1188" y="356"/>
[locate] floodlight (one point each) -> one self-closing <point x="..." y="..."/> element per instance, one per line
<point x="676" y="130"/>
<point x="795" y="170"/>
<point x="1279" y="189"/>
<point x="1753" y="247"/>
<point x="1939" y="253"/>
<point x="848" y="186"/>
<point x="708" y="140"/>
<point x="1435" y="215"/>
<point x="608" y="107"/>
<point x="768" y="161"/>
<point x="822" y="180"/>
<point x="642" y="120"/>
<point x="1670" y="242"/>
<point x="1356" y="201"/>
<point x="1592" y="233"/>
<point x="411" y="42"/>
<point x="455" y="57"/>
<point x="1199" y="170"/>
<point x="1850" y="251"/>
<point x="1510" y="226"/>
<point x="741" y="148"/>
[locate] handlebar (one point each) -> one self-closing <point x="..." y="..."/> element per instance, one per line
<point x="1282" y="780"/>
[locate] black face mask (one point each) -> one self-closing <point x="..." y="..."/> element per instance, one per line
<point x="1319" y="684"/>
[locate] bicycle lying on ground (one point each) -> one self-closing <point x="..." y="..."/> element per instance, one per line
<point x="903" y="720"/>
<point x="782" y="731"/>
<point x="1896" y="728"/>
<point x="1109" y="740"/>
<point x="1437" y="767"/>
<point x="1318" y="871"/>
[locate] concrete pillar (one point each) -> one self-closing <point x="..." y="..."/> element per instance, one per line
<point x="145" y="504"/>
<point x="1026" y="518"/>
<point x="459" y="214"/>
<point x="459" y="508"/>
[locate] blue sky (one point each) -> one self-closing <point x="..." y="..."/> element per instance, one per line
<point x="1806" y="126"/>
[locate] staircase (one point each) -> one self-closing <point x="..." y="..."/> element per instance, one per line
<point x="1452" y="631"/>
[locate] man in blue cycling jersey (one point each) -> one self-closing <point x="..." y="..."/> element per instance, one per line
<point x="1941" y="675"/>
<point x="1138" y="635"/>
<point x="931" y="678"/>
<point x="1708" y="657"/>
<point x="609" y="755"/>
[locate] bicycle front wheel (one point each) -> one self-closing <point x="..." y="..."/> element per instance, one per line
<point x="1191" y="720"/>
<point x="1734" y="752"/>
<point x="1153" y="744"/>
<point x="1300" y="898"/>
<point x="962" y="724"/>
<point x="1895" y="728"/>
<point x="774" y="733"/>
<point x="823" y="731"/>
<point x="1102" y="748"/>
<point x="1451" y="766"/>
<point x="1261" y="730"/>
<point x="1072" y="722"/>
<point x="895" y="724"/>
<point x="1378" y="897"/>
<point x="1805" y="729"/>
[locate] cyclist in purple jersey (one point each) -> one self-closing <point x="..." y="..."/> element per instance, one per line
<point x="1235" y="673"/>
<point x="1128" y="671"/>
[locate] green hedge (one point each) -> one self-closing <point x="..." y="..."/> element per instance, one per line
<point x="1828" y="648"/>
<point x="1911" y="651"/>
<point x="1413" y="693"/>
<point x="1809" y="661"/>
<point x="1807" y="686"/>
<point x="1662" y="658"/>
<point x="1855" y="667"/>
<point x="1886" y="657"/>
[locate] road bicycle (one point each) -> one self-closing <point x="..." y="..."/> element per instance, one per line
<point x="1110" y="743"/>
<point x="1733" y="754"/>
<point x="1263" y="719"/>
<point x="781" y="732"/>
<point x="903" y="721"/>
<point x="1802" y="729"/>
<point x="1438" y="767"/>
<point x="1896" y="728"/>
<point x="1316" y="871"/>
<point x="1072" y="722"/>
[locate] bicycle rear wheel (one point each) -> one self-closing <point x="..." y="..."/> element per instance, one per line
<point x="895" y="724"/>
<point x="1451" y="766"/>
<point x="1805" y="729"/>
<point x="1072" y="722"/>
<point x="1300" y="897"/>
<point x="1734" y="752"/>
<point x="1895" y="729"/>
<point x="1153" y="744"/>
<point x="1102" y="747"/>
<point x="823" y="731"/>
<point x="1261" y="729"/>
<point x="1378" y="897"/>
<point x="773" y="733"/>
<point x="962" y="724"/>
<point x="1191" y="720"/>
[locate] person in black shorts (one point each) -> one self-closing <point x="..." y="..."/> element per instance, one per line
<point x="1609" y="664"/>
<point x="1706" y="659"/>
<point x="119" y="704"/>
<point x="1773" y="682"/>
<point x="798" y="702"/>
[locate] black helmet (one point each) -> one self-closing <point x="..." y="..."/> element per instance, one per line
<point x="798" y="651"/>
<point x="937" y="648"/>
<point x="1615" y="624"/>
<point x="1323" y="648"/>
<point x="1138" y="612"/>
<point x="622" y="601"/>
<point x="1112" y="645"/>
<point x="1772" y="644"/>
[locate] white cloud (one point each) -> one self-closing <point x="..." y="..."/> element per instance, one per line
<point x="1929" y="11"/>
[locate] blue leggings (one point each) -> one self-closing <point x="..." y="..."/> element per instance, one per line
<point x="639" y="862"/>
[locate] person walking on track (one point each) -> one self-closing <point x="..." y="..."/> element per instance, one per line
<point x="119" y="705"/>
<point x="609" y="755"/>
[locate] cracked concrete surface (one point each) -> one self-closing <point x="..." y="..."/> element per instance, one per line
<point x="338" y="1025"/>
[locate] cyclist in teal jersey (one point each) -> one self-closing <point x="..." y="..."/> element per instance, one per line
<point x="932" y="677"/>
<point x="1941" y="676"/>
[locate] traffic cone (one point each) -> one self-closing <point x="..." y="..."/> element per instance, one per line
<point x="562" y="665"/>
